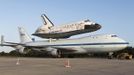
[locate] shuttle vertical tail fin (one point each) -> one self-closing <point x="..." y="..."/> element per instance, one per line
<point x="47" y="25"/>
<point x="46" y="21"/>
<point x="24" y="37"/>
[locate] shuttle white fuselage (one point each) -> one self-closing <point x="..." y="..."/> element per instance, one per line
<point x="48" y="30"/>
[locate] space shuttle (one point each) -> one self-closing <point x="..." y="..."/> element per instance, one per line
<point x="48" y="30"/>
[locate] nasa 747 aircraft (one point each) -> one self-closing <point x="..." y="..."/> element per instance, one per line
<point x="91" y="44"/>
<point x="48" y="30"/>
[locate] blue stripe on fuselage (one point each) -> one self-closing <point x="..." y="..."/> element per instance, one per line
<point x="81" y="44"/>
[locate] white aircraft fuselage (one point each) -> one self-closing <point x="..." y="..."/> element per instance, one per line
<point x="91" y="44"/>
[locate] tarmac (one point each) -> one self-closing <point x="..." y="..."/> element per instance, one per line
<point x="56" y="66"/>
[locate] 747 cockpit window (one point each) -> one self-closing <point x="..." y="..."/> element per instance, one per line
<point x="113" y="35"/>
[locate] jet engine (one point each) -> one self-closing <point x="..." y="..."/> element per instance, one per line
<point x="22" y="49"/>
<point x="54" y="52"/>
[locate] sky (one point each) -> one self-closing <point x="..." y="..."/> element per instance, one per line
<point x="115" y="16"/>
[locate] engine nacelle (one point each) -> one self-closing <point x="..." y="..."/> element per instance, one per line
<point x="53" y="52"/>
<point x="22" y="49"/>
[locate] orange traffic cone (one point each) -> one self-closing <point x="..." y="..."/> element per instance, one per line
<point x="67" y="63"/>
<point x="18" y="62"/>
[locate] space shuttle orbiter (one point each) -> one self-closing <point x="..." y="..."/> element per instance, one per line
<point x="48" y="30"/>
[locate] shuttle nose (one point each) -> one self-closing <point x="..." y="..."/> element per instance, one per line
<point x="97" y="26"/>
<point x="93" y="27"/>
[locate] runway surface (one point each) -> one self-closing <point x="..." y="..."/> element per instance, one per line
<point x="56" y="66"/>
